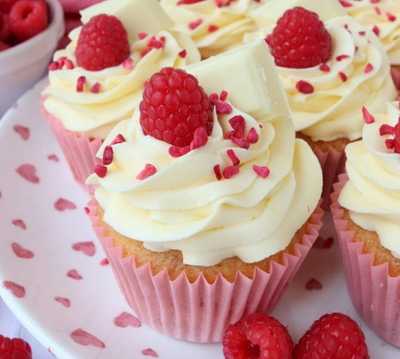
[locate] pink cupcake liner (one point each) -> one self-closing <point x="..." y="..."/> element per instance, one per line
<point x="374" y="293"/>
<point x="200" y="311"/>
<point x="79" y="150"/>
<point x="395" y="70"/>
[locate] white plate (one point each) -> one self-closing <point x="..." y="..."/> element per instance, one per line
<point x="95" y="299"/>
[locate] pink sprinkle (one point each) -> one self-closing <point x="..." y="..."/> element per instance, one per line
<point x="304" y="87"/>
<point x="195" y="24"/>
<point x="63" y="204"/>
<point x="53" y="158"/>
<point x="149" y="353"/>
<point x="125" y="320"/>
<point x="142" y="35"/>
<point x="68" y="64"/>
<point x="84" y="338"/>
<point x="376" y="30"/>
<point x="28" y="172"/>
<point x="324" y="67"/>
<point x="368" y="68"/>
<point x="54" y="66"/>
<point x="212" y="28"/>
<point x="233" y="157"/>
<point x="261" y="171"/>
<point x="342" y="76"/>
<point x="74" y="274"/>
<point x="368" y="118"/>
<point x="108" y="155"/>
<point x="63" y="301"/>
<point x="148" y="171"/>
<point x="391" y="17"/>
<point x="101" y="171"/>
<point x="386" y="130"/>
<point x="19" y="223"/>
<point x="342" y="57"/>
<point x="86" y="209"/>
<point x="95" y="88"/>
<point x="218" y="172"/>
<point x="200" y="138"/>
<point x="241" y="142"/>
<point x="230" y="171"/>
<point x="223" y="108"/>
<point x="21" y="252"/>
<point x="182" y="53"/>
<point x="118" y="139"/>
<point x="346" y="3"/>
<point x="378" y="10"/>
<point x="238" y="124"/>
<point x="87" y="248"/>
<point x="214" y="98"/>
<point x="252" y="136"/>
<point x="224" y="95"/>
<point x="104" y="262"/>
<point x="176" y="151"/>
<point x="22" y="131"/>
<point x="80" y="83"/>
<point x="128" y="64"/>
<point x="313" y="284"/>
<point x="16" y="289"/>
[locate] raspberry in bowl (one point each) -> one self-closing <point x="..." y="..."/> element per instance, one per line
<point x="97" y="80"/>
<point x="29" y="33"/>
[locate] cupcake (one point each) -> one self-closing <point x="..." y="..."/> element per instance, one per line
<point x="366" y="212"/>
<point x="341" y="68"/>
<point x="208" y="207"/>
<point x="93" y="85"/>
<point x="214" y="25"/>
<point x="383" y="18"/>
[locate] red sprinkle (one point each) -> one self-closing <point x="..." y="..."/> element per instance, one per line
<point x="241" y="142"/>
<point x="252" y="136"/>
<point x="368" y="68"/>
<point x="118" y="139"/>
<point x="368" y="118"/>
<point x="342" y="76"/>
<point x="176" y="151"/>
<point x="142" y="35"/>
<point x="218" y="172"/>
<point x="224" y="95"/>
<point x="195" y="24"/>
<point x="80" y="83"/>
<point x="261" y="171"/>
<point x="108" y="155"/>
<point x="223" y="108"/>
<point x="391" y="17"/>
<point x="95" y="88"/>
<point x="233" y="157"/>
<point x="148" y="171"/>
<point x="212" y="28"/>
<point x="183" y="53"/>
<point x="238" y="124"/>
<point x="342" y="57"/>
<point x="376" y="30"/>
<point x="230" y="171"/>
<point x="386" y="130"/>
<point x="304" y="87"/>
<point x="324" y="67"/>
<point x="100" y="171"/>
<point x="346" y="3"/>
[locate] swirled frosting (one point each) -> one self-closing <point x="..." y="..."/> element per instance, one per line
<point x="214" y="28"/>
<point x="183" y="206"/>
<point x="372" y="194"/>
<point x="383" y="18"/>
<point x="94" y="114"/>
<point x="357" y="74"/>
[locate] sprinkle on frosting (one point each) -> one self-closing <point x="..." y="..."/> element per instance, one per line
<point x="118" y="139"/>
<point x="261" y="171"/>
<point x="218" y="172"/>
<point x="304" y="87"/>
<point x="148" y="171"/>
<point x="367" y="116"/>
<point x="108" y="155"/>
<point x="100" y="171"/>
<point x="233" y="157"/>
<point x="80" y="84"/>
<point x="231" y="171"/>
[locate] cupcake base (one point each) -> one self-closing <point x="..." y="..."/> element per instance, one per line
<point x="372" y="273"/>
<point x="79" y="150"/>
<point x="196" y="303"/>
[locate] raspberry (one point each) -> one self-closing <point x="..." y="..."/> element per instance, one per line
<point x="300" y="40"/>
<point x="334" y="336"/>
<point x="257" y="337"/>
<point x="6" y="5"/>
<point x="28" y="18"/>
<point x="4" y="27"/>
<point x="14" y="348"/>
<point x="3" y="46"/>
<point x="174" y="106"/>
<point x="103" y="42"/>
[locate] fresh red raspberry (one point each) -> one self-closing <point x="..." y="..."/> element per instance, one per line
<point x="300" y="40"/>
<point x="14" y="348"/>
<point x="103" y="42"/>
<point x="174" y="106"/>
<point x="257" y="337"/>
<point x="3" y="46"/>
<point x="6" y="5"/>
<point x="4" y="27"/>
<point x="28" y="18"/>
<point x="334" y="336"/>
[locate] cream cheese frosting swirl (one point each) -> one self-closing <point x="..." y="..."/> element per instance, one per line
<point x="372" y="194"/>
<point x="184" y="207"/>
<point x="383" y="17"/>
<point x="357" y="74"/>
<point x="214" y="28"/>
<point x="94" y="114"/>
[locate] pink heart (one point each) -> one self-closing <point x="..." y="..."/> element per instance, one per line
<point x="28" y="172"/>
<point x="21" y="252"/>
<point x="19" y="223"/>
<point x="149" y="353"/>
<point x="87" y="248"/>
<point x="63" y="204"/>
<point x="63" y="301"/>
<point x="125" y="320"/>
<point x="23" y="131"/>
<point x="82" y="337"/>
<point x="53" y="157"/>
<point x="16" y="289"/>
<point x="74" y="274"/>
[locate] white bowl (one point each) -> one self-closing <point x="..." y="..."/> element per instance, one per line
<point x="23" y="65"/>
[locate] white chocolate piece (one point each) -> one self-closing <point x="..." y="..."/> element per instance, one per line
<point x="136" y="15"/>
<point x="250" y="77"/>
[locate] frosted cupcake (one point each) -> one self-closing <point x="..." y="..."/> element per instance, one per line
<point x="383" y="18"/>
<point x="94" y="84"/>
<point x="330" y="70"/>
<point x="366" y="211"/>
<point x="208" y="207"/>
<point x="214" y="25"/>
